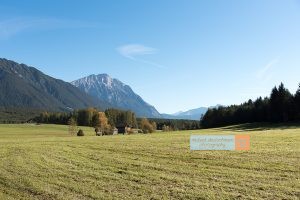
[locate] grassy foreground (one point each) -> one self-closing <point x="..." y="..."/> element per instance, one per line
<point x="44" y="162"/>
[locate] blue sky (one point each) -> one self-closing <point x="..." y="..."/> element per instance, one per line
<point x="176" y="54"/>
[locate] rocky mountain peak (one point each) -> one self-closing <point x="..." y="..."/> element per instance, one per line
<point x="118" y="94"/>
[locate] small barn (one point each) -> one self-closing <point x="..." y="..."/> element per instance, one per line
<point x="123" y="129"/>
<point x="99" y="133"/>
<point x="115" y="131"/>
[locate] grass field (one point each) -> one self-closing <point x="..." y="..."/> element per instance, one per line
<point x="44" y="162"/>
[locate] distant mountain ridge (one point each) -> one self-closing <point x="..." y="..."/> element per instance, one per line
<point x="193" y="114"/>
<point x="22" y="86"/>
<point x="116" y="93"/>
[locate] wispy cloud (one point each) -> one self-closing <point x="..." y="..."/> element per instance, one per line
<point x="264" y="73"/>
<point x="13" y="26"/>
<point x="134" y="51"/>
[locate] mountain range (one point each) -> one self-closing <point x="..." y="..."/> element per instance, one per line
<point x="116" y="93"/>
<point x="193" y="114"/>
<point x="25" y="87"/>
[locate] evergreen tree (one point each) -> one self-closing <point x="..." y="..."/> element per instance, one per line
<point x="280" y="104"/>
<point x="297" y="104"/>
<point x="96" y="120"/>
<point x="85" y="117"/>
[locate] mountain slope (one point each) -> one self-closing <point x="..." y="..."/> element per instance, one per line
<point x="26" y="87"/>
<point x="116" y="93"/>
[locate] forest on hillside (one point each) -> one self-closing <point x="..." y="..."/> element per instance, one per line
<point x="281" y="106"/>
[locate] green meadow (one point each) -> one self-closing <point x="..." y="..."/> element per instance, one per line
<point x="45" y="162"/>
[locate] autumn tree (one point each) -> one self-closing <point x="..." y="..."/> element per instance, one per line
<point x="146" y="126"/>
<point x="72" y="126"/>
<point x="103" y="121"/>
<point x="103" y="124"/>
<point x="154" y="125"/>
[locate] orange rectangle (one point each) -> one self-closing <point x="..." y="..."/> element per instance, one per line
<point x="242" y="142"/>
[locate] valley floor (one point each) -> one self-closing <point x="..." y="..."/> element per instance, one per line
<point x="44" y="162"/>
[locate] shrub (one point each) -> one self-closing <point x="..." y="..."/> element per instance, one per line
<point x="166" y="128"/>
<point x="140" y="131"/>
<point x="98" y="131"/>
<point x="72" y="126"/>
<point x="80" y="133"/>
<point x="146" y="126"/>
<point x="108" y="130"/>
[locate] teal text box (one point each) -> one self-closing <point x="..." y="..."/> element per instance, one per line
<point x="212" y="142"/>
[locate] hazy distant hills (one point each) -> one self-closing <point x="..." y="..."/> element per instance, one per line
<point x="116" y="93"/>
<point x="22" y="86"/>
<point x="193" y="114"/>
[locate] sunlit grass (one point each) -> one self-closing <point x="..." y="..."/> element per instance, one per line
<point x="45" y="162"/>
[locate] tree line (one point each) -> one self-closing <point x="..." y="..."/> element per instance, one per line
<point x="13" y="115"/>
<point x="103" y="122"/>
<point x="111" y="118"/>
<point x="89" y="117"/>
<point x="281" y="106"/>
<point x="176" y="124"/>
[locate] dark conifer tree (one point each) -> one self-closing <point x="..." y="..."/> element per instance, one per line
<point x="282" y="106"/>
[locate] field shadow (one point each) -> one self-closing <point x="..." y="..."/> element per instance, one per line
<point x="261" y="126"/>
